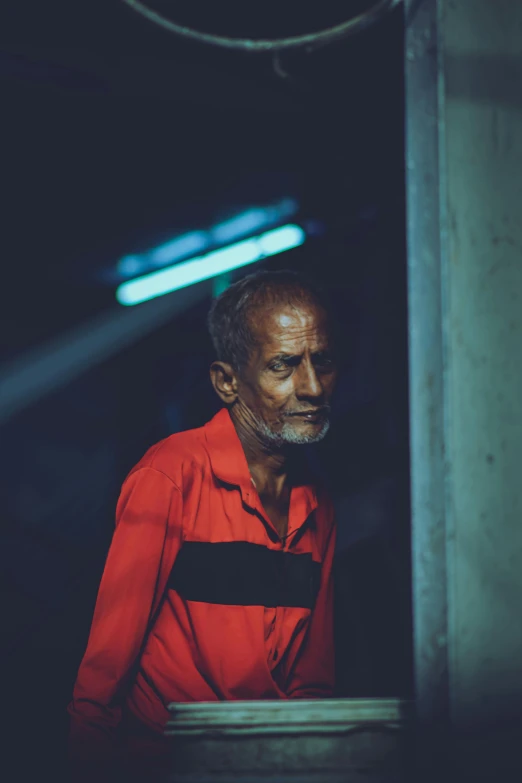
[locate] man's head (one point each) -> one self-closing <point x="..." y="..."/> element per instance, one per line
<point x="275" y="367"/>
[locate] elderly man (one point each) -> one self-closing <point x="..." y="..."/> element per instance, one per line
<point x="218" y="581"/>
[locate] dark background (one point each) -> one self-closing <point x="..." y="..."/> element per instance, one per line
<point x="115" y="133"/>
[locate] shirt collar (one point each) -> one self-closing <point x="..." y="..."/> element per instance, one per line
<point x="229" y="464"/>
<point x="227" y="457"/>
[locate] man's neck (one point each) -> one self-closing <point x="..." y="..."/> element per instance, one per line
<point x="267" y="463"/>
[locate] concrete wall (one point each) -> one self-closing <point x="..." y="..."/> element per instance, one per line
<point x="464" y="152"/>
<point x="482" y="64"/>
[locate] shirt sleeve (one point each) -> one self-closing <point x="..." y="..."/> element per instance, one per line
<point x="313" y="674"/>
<point x="143" y="549"/>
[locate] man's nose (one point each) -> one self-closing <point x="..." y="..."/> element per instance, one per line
<point x="309" y="385"/>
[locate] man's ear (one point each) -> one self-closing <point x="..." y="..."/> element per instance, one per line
<point x="224" y="381"/>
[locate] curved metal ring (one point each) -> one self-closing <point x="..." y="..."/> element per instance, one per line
<point x="311" y="40"/>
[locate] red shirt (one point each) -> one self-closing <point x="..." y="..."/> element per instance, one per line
<point x="200" y="599"/>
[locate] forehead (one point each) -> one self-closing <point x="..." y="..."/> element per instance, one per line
<point x="289" y="328"/>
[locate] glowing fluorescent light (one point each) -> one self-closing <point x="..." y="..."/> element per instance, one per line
<point x="178" y="248"/>
<point x="250" y="221"/>
<point x="215" y="263"/>
<point x="253" y="220"/>
<point x="130" y="265"/>
<point x="189" y="245"/>
<point x="281" y="239"/>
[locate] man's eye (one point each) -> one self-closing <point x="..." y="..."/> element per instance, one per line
<point x="278" y="366"/>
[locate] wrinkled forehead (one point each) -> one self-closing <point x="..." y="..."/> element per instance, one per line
<point x="289" y="328"/>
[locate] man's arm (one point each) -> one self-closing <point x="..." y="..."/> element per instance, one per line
<point x="313" y="674"/>
<point x="143" y="549"/>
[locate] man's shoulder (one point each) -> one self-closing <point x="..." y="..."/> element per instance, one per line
<point x="176" y="454"/>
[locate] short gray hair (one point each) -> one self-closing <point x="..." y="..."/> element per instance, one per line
<point x="230" y="317"/>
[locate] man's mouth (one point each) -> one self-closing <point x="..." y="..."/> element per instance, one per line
<point x="310" y="415"/>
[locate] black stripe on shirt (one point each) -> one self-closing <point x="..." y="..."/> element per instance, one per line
<point x="244" y="574"/>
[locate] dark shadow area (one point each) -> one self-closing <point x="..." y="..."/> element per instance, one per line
<point x="117" y="138"/>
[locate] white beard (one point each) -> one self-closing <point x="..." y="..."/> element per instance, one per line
<point x="287" y="434"/>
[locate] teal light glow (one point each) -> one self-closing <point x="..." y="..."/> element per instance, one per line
<point x="215" y="263"/>
<point x="194" y="243"/>
<point x="256" y="219"/>
<point x="247" y="223"/>
<point x="181" y="247"/>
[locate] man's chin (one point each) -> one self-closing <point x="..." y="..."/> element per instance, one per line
<point x="304" y="434"/>
<point x="292" y="432"/>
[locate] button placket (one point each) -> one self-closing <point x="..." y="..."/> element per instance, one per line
<point x="274" y="651"/>
<point x="279" y="610"/>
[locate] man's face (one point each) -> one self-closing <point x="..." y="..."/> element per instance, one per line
<point x="287" y="385"/>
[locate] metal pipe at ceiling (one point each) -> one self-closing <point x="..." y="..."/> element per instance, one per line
<point x="308" y="41"/>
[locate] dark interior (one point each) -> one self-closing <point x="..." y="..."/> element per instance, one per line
<point x="117" y="135"/>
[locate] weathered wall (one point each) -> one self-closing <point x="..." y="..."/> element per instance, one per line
<point x="483" y="142"/>
<point x="467" y="493"/>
